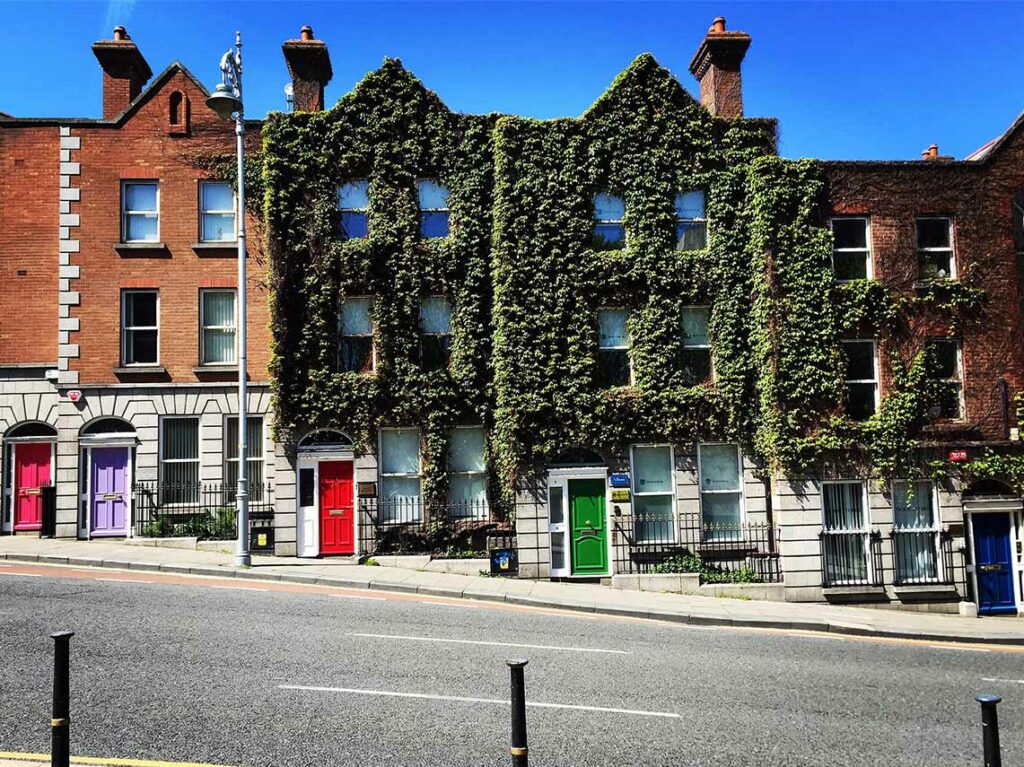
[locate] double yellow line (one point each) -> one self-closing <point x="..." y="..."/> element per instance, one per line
<point x="101" y="760"/>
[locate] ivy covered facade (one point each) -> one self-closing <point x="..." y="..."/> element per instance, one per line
<point x="638" y="339"/>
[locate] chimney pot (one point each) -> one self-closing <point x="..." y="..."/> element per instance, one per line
<point x="930" y="153"/>
<point x="120" y="33"/>
<point x="716" y="65"/>
<point x="306" y="33"/>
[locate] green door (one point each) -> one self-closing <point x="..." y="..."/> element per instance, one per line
<point x="587" y="528"/>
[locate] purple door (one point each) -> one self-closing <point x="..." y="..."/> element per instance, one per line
<point x="109" y="491"/>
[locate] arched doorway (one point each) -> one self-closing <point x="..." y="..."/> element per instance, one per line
<point x="107" y="460"/>
<point x="29" y="452"/>
<point x="578" y="514"/>
<point x="994" y="515"/>
<point x="326" y="517"/>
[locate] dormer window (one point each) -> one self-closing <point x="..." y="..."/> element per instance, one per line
<point x="433" y="209"/>
<point x="353" y="209"/>
<point x="609" y="232"/>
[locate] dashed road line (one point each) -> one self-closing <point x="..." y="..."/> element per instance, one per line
<point x="442" y="640"/>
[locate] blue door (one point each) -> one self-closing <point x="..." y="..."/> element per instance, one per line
<point x="992" y="564"/>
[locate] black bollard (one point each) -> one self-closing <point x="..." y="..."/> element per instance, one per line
<point x="990" y="729"/>
<point x="519" y="750"/>
<point x="60" y="730"/>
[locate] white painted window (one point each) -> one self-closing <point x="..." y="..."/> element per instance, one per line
<point x="140" y="211"/>
<point x="653" y="493"/>
<point x="845" y="534"/>
<point x="356" y="353"/>
<point x="696" y="359"/>
<point x="609" y="230"/>
<point x="216" y="212"/>
<point x="851" y="248"/>
<point x="218" y="321"/>
<point x="861" y="378"/>
<point x="140" y="331"/>
<point x="691" y="221"/>
<point x="354" y="209"/>
<point x="949" y="359"/>
<point x="254" y="457"/>
<point x="434" y="214"/>
<point x="935" y="257"/>
<point x="915" y="532"/>
<point x="720" y="468"/>
<point x="179" y="460"/>
<point x="467" y="473"/>
<point x="613" y="347"/>
<point x="436" y="332"/>
<point x="400" y="475"/>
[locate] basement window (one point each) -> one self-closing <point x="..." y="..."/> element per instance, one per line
<point x="851" y="248"/>
<point x="692" y="223"/>
<point x="353" y="209"/>
<point x="613" y="347"/>
<point x="609" y="232"/>
<point x="935" y="258"/>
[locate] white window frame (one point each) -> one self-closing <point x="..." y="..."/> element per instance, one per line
<point x="619" y="221"/>
<point x="366" y="210"/>
<point x="934" y="529"/>
<point x="693" y="220"/>
<point x="701" y="492"/>
<point x="446" y="209"/>
<point x="959" y="378"/>
<point x="874" y="367"/>
<point x="373" y="330"/>
<point x="233" y="211"/>
<point x="484" y="510"/>
<point x="952" y="246"/>
<point x="204" y="327"/>
<point x="867" y="250"/>
<point x="864" y="531"/>
<point x="671" y="492"/>
<point x="125" y="213"/>
<point x="381" y="474"/>
<point x="263" y="451"/>
<point x="198" y="460"/>
<point x="125" y="329"/>
<point x="628" y="348"/>
<point x="707" y="346"/>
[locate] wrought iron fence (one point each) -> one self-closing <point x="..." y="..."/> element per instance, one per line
<point x="201" y="510"/>
<point x="851" y="558"/>
<point x="922" y="556"/>
<point x="718" y="551"/>
<point x="413" y="526"/>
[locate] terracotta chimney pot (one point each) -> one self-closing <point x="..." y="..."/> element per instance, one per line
<point x="306" y="33"/>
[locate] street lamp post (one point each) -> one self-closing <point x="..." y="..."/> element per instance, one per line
<point x="226" y="100"/>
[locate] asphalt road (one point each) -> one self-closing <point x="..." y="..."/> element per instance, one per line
<point x="179" y="671"/>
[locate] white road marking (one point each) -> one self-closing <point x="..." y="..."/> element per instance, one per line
<point x="358" y="596"/>
<point x="960" y="649"/>
<point x="23" y="575"/>
<point x="491" y="644"/>
<point x="1007" y="681"/>
<point x="461" y="699"/>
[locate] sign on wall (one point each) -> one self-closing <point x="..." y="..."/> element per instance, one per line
<point x="619" y="480"/>
<point x="75" y="395"/>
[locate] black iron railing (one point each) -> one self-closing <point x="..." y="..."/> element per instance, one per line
<point x="201" y="510"/>
<point x="922" y="557"/>
<point x="851" y="558"/>
<point x="413" y="526"/>
<point x="718" y="551"/>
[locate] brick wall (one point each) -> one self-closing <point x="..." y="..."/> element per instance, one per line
<point x="146" y="147"/>
<point x="29" y="207"/>
<point x="977" y="197"/>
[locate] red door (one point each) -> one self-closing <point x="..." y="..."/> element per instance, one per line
<point x="337" y="508"/>
<point x="31" y="472"/>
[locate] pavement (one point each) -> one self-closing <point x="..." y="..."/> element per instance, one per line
<point x="582" y="597"/>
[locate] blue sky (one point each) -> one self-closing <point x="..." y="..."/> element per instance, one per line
<point x="846" y="79"/>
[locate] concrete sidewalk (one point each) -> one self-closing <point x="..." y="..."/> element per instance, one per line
<point x="568" y="596"/>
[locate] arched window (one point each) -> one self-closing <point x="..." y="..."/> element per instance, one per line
<point x="323" y="439"/>
<point x="31" y="429"/>
<point x="578" y="456"/>
<point x="176" y="108"/>
<point x="107" y="426"/>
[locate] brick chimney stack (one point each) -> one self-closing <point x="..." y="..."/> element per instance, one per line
<point x="125" y="71"/>
<point x="309" y="65"/>
<point x="716" y="65"/>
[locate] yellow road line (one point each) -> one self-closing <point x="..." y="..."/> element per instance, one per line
<point x="100" y="760"/>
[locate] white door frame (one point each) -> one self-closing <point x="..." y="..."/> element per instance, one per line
<point x="559" y="477"/>
<point x="307" y="518"/>
<point x="1016" y="515"/>
<point x="85" y="496"/>
<point x="8" y="489"/>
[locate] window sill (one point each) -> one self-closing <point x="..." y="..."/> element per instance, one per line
<point x="147" y="371"/>
<point x="214" y="369"/>
<point x="930" y="282"/>
<point x="923" y="592"/>
<point x="216" y="249"/>
<point x="142" y="250"/>
<point x="855" y="593"/>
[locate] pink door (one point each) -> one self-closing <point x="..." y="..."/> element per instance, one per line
<point x="337" y="508"/>
<point x="31" y="472"/>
